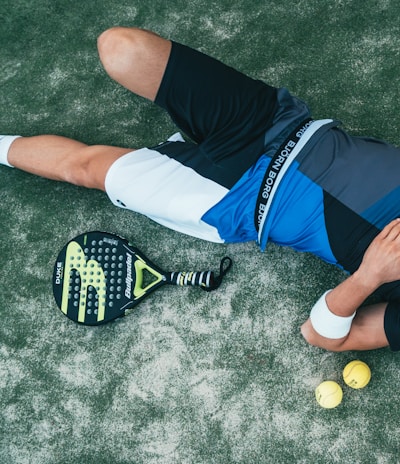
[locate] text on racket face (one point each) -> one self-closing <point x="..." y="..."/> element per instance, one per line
<point x="59" y="272"/>
<point x="128" y="279"/>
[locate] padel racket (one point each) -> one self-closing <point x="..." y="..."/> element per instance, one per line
<point x="99" y="277"/>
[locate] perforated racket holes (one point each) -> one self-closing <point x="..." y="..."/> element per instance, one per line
<point x="96" y="272"/>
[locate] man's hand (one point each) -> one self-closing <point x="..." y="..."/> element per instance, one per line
<point x="381" y="262"/>
<point x="380" y="265"/>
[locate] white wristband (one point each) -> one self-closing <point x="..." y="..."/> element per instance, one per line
<point x="326" y="323"/>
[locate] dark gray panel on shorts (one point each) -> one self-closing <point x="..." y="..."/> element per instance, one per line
<point x="356" y="171"/>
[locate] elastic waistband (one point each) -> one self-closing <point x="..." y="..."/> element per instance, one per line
<point x="279" y="165"/>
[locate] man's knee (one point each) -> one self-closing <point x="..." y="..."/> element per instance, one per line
<point x="135" y="58"/>
<point x="120" y="46"/>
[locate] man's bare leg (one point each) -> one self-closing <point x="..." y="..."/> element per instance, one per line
<point x="134" y="58"/>
<point x="64" y="159"/>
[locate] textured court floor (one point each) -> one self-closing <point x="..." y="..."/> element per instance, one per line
<point x="191" y="377"/>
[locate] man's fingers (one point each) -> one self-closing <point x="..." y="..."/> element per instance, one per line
<point x="391" y="231"/>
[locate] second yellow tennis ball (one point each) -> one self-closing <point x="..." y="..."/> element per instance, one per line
<point x="357" y="374"/>
<point x="329" y="394"/>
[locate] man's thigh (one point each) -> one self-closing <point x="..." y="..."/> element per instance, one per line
<point x="165" y="189"/>
<point x="226" y="112"/>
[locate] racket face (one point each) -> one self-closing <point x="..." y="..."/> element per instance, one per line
<point x="98" y="276"/>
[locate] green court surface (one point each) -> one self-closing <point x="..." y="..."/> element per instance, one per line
<point x="190" y="377"/>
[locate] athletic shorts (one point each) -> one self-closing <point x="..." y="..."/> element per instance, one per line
<point x="225" y="114"/>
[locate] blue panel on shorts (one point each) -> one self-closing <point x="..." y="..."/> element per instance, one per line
<point x="296" y="218"/>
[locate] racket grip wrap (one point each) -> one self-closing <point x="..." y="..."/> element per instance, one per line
<point x="205" y="279"/>
<point x="191" y="278"/>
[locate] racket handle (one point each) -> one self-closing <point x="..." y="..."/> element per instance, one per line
<point x="205" y="279"/>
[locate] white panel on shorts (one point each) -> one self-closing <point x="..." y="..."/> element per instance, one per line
<point x="165" y="190"/>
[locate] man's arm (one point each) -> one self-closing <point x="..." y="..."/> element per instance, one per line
<point x="381" y="264"/>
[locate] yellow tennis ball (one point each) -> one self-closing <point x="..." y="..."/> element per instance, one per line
<point x="356" y="374"/>
<point x="329" y="394"/>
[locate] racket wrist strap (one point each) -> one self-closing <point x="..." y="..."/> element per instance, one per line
<point x="225" y="265"/>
